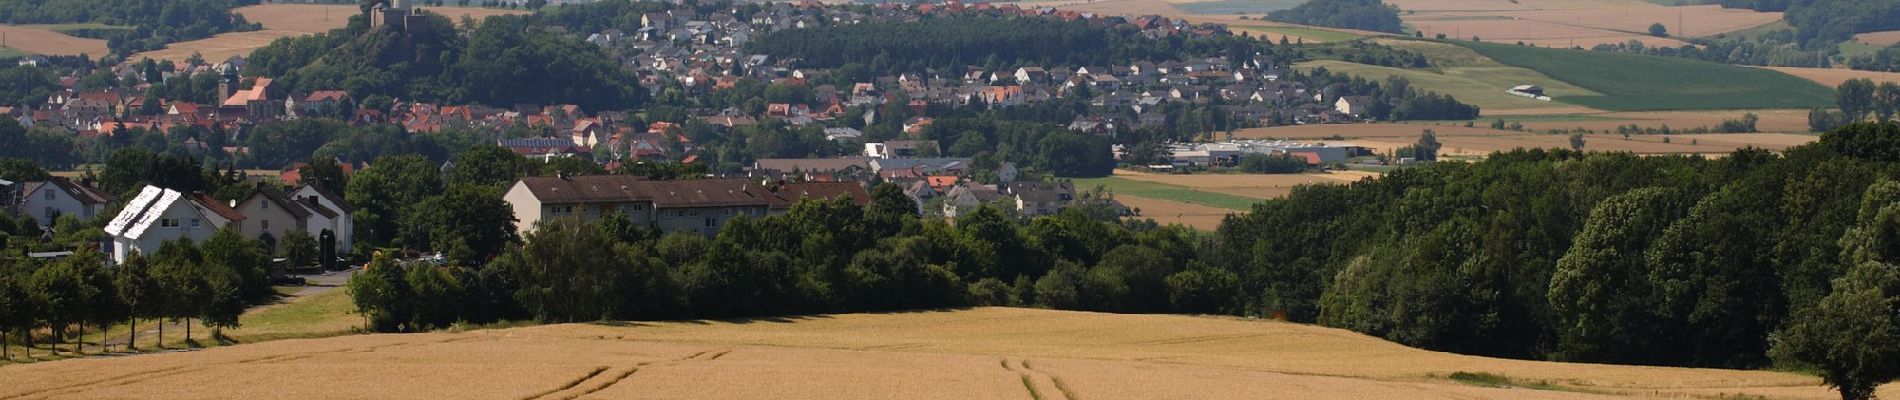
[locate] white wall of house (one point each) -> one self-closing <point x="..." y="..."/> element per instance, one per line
<point x="263" y="216"/>
<point x="48" y="202"/>
<point x="528" y="210"/>
<point x="179" y="220"/>
<point x="343" y="227"/>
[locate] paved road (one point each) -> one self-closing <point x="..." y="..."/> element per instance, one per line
<point x="313" y="285"/>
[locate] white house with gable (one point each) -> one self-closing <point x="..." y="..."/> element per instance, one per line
<point x="328" y="212"/>
<point x="159" y="215"/>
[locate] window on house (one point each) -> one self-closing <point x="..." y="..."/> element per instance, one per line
<point x="639" y="207"/>
<point x="264" y="205"/>
<point x="168" y="223"/>
<point x="264" y="224"/>
<point x="194" y="222"/>
<point x="711" y="222"/>
<point x="563" y="209"/>
<point x="49" y="194"/>
<point x="52" y="214"/>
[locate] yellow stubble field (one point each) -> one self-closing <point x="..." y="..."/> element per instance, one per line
<point x="983" y="353"/>
<point x="47" y="42"/>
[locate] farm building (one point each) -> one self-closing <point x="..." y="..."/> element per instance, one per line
<point x="1230" y="153"/>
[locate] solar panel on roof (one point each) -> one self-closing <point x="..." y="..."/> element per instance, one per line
<point x="152" y="214"/>
<point x="133" y="209"/>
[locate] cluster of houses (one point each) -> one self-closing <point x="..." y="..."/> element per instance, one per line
<point x="704" y="52"/>
<point x="157" y="215"/>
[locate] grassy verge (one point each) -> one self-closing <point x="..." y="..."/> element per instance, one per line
<point x="1630" y="82"/>
<point x="1485" y="379"/>
<point x="321" y="315"/>
<point x="1161" y="191"/>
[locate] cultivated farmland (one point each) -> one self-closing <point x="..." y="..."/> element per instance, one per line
<point x="1705" y="144"/>
<point x="1630" y="82"/>
<point x="42" y="40"/>
<point x="1833" y="77"/>
<point x="984" y="353"/>
<point x="1887" y="38"/>
<point x="1483" y="86"/>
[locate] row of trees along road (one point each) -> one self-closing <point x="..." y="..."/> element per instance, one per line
<point x="212" y="282"/>
<point x="1751" y="260"/>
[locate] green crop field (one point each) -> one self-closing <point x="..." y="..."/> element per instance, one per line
<point x="1483" y="86"/>
<point x="1629" y="82"/>
<point x="1311" y="34"/>
<point x="1160" y="191"/>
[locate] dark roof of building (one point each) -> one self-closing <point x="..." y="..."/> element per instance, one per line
<point x="85" y="194"/>
<point x="810" y="164"/>
<point x="704" y="193"/>
<point x="333" y="197"/>
<point x="685" y="193"/>
<point x="209" y="203"/>
<point x="790" y="193"/>
<point x="273" y="195"/>
<point x="1043" y="191"/>
<point x="582" y="189"/>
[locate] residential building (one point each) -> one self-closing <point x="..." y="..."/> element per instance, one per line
<point x="1035" y="199"/>
<point x="696" y="206"/>
<point x="159" y="215"/>
<point x="269" y="214"/>
<point x="47" y="200"/>
<point x="329" y="213"/>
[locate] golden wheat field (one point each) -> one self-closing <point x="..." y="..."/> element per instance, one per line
<point x="1886" y="38"/>
<point x="983" y="353"/>
<point x="1166" y="212"/>
<point x="42" y="41"/>
<point x="1259" y="186"/>
<point x="1834" y="76"/>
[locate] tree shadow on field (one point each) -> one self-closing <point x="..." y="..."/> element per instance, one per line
<point x="774" y="319"/>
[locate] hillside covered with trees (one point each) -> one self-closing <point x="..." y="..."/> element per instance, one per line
<point x="1371" y="15"/>
<point x="501" y="60"/>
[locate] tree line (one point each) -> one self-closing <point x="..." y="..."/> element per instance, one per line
<point x="1370" y="15"/>
<point x="210" y="282"/>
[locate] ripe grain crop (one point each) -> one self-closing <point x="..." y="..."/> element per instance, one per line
<point x="982" y="353"/>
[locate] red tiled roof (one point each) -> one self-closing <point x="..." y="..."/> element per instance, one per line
<point x="217" y="207"/>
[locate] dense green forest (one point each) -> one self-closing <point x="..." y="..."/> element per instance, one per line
<point x="1370" y="15"/>
<point x="501" y="60"/>
<point x="132" y="26"/>
<point x="952" y="43"/>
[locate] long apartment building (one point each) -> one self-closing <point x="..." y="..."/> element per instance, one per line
<point x="697" y="206"/>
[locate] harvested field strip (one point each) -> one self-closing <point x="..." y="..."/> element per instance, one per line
<point x="1310" y="35"/>
<point x="47" y="42"/>
<point x="1160" y="191"/>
